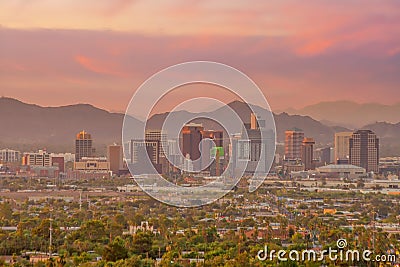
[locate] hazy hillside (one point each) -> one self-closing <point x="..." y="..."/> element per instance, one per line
<point x="27" y="127"/>
<point x="389" y="135"/>
<point x="350" y="114"/>
<point x="55" y="127"/>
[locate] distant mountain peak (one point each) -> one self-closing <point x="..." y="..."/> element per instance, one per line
<point x="350" y="114"/>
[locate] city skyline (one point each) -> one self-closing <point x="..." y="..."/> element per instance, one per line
<point x="199" y="133"/>
<point x="360" y="148"/>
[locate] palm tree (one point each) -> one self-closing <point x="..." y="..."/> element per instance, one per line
<point x="51" y="263"/>
<point x="61" y="260"/>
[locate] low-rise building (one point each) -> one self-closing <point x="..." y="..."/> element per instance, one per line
<point x="92" y="164"/>
<point x="40" y="158"/>
<point x="9" y="155"/>
<point x="342" y="170"/>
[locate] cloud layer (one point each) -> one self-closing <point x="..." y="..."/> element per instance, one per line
<point x="298" y="52"/>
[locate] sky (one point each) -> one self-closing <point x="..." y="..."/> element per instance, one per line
<point x="298" y="52"/>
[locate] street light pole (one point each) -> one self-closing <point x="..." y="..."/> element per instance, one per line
<point x="51" y="236"/>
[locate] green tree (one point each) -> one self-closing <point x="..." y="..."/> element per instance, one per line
<point x="93" y="230"/>
<point x="5" y="211"/>
<point x="115" y="251"/>
<point x="142" y="243"/>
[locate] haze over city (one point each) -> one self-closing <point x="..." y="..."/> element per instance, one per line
<point x="208" y="174"/>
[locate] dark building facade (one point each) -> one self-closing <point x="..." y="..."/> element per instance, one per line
<point x="115" y="157"/>
<point x="217" y="162"/>
<point x="325" y="157"/>
<point x="307" y="153"/>
<point x="248" y="150"/>
<point x="293" y="142"/>
<point x="191" y="138"/>
<point x="364" y="150"/>
<point x="58" y="162"/>
<point x="145" y="157"/>
<point x="83" y="146"/>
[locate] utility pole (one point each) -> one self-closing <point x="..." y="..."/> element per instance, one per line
<point x="51" y="235"/>
<point x="373" y="231"/>
<point x="80" y="200"/>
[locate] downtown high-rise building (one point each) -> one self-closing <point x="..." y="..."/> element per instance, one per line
<point x="342" y="146"/>
<point x="160" y="138"/>
<point x="145" y="156"/>
<point x="325" y="155"/>
<point x="83" y="146"/>
<point x="115" y="157"/>
<point x="293" y="143"/>
<point x="139" y="149"/>
<point x="214" y="155"/>
<point x="307" y="153"/>
<point x="252" y="148"/>
<point x="191" y="138"/>
<point x="364" y="150"/>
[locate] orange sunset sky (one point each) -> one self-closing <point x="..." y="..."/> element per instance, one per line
<point x="299" y="52"/>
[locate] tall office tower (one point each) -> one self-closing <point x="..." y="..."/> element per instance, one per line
<point x="237" y="153"/>
<point x="149" y="147"/>
<point x="216" y="136"/>
<point x="141" y="151"/>
<point x="215" y="156"/>
<point x="342" y="145"/>
<point x="115" y="157"/>
<point x="83" y="146"/>
<point x="253" y="121"/>
<point x="162" y="148"/>
<point x="161" y="138"/>
<point x="259" y="140"/>
<point x="325" y="155"/>
<point x="174" y="162"/>
<point x="187" y="164"/>
<point x="293" y="142"/>
<point x="191" y="138"/>
<point x="364" y="150"/>
<point x="307" y="153"/>
<point x="256" y="122"/>
<point x="9" y="155"/>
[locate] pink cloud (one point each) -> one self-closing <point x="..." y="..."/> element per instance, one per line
<point x="98" y="66"/>
<point x="106" y="61"/>
<point x="117" y="6"/>
<point x="315" y="47"/>
<point x="394" y="51"/>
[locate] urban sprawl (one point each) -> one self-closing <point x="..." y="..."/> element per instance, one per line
<point x="85" y="209"/>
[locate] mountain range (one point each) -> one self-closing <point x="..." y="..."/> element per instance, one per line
<point x="29" y="127"/>
<point x="350" y="114"/>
